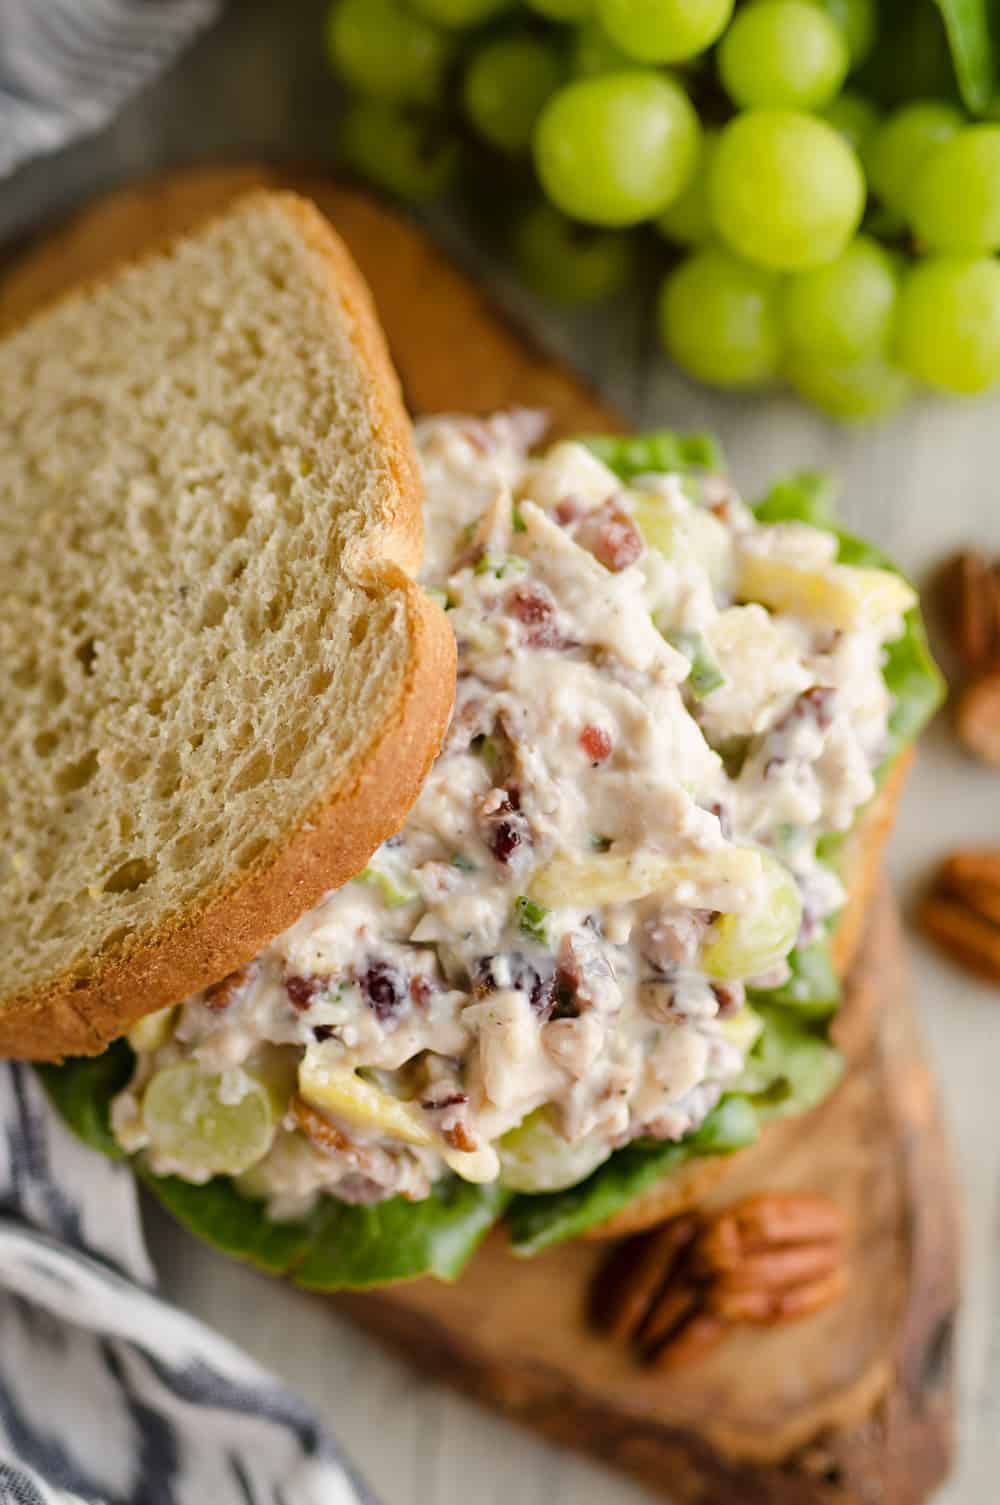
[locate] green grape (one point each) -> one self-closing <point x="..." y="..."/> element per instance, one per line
<point x="718" y="318"/>
<point x="188" y="1122"/>
<point x="837" y="313"/>
<point x="562" y="10"/>
<point x="594" y="52"/>
<point x="785" y="189"/>
<point x="568" y="262"/>
<point x="688" y="219"/>
<point x="505" y="86"/>
<point x="383" y="49"/>
<point x="664" y="31"/>
<point x="896" y="152"/>
<point x="748" y="945"/>
<point x="858" y="20"/>
<point x="785" y="54"/>
<point x="459" y="14"/>
<point x="869" y="388"/>
<point x="855" y="117"/>
<point x="948" y="323"/>
<point x="618" y="148"/>
<point x="410" y="157"/>
<point x="955" y="201"/>
<point x="535" y="1157"/>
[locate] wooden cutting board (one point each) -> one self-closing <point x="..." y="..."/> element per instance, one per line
<point x="853" y="1406"/>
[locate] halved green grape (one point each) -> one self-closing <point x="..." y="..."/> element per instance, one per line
<point x="838" y="313"/>
<point x="459" y="13"/>
<point x="858" y="20"/>
<point x="405" y="154"/>
<point x="955" y="200"/>
<point x="688" y="219"/>
<point x="618" y="148"/>
<point x="593" y="52"/>
<point x="749" y="945"/>
<point x="718" y="318"/>
<point x="868" y="388"/>
<point x="188" y="1122"/>
<point x="505" y="86"/>
<point x="786" y="54"/>
<point x="535" y="1157"/>
<point x="742" y="1029"/>
<point x="384" y="49"/>
<point x="948" y="323"/>
<point x="562" y="10"/>
<point x="786" y="190"/>
<point x="663" y="31"/>
<point x="855" y="117"/>
<point x="569" y="262"/>
<point x="896" y="152"/>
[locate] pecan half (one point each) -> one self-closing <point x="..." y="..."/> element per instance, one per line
<point x="673" y="1294"/>
<point x="969" y="591"/>
<point x="961" y="912"/>
<point x="977" y="718"/>
<point x="220" y="995"/>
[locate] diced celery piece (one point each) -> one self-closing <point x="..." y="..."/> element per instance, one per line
<point x="842" y="596"/>
<point x="188" y="1122"/>
<point x="705" y="675"/>
<point x="532" y="919"/>
<point x="152" y="1032"/>
<point x="751" y="944"/>
<point x="393" y="892"/>
<point x="437" y="594"/>
<point x="501" y="565"/>
<point x="535" y="1158"/>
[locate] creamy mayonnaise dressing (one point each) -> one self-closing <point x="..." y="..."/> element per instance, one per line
<point x="638" y="759"/>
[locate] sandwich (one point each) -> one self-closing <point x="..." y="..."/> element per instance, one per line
<point x="376" y="902"/>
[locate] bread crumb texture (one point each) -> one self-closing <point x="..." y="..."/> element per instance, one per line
<point x="204" y="509"/>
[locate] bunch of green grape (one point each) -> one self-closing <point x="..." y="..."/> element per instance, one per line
<point x="800" y="231"/>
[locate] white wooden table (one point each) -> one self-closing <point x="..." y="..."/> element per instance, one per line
<point x="921" y="487"/>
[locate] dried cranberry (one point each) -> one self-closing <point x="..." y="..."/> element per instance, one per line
<point x="613" y="538"/>
<point x="302" y="990"/>
<point x="323" y="1032"/>
<point x="385" y="989"/>
<point x="505" y="840"/>
<point x="596" y="743"/>
<point x="722" y="816"/>
<point x="535" y="609"/>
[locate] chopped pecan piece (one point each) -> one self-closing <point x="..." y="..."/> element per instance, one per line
<point x="673" y="1294"/>
<point x="221" y="994"/>
<point x="961" y="912"/>
<point x="317" y="1127"/>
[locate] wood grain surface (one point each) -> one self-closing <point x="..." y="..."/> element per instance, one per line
<point x="849" y="1408"/>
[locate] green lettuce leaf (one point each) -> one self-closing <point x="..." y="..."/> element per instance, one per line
<point x="82" y="1090"/>
<point x="813" y="988"/>
<point x="631" y="455"/>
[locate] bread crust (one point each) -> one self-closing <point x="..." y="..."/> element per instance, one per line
<point x="81" y="1011"/>
<point x="685" y="1187"/>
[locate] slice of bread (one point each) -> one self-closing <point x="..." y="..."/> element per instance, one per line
<point x="861" y="867"/>
<point x="220" y="687"/>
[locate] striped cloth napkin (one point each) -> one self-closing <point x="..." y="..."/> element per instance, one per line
<point x="66" y="66"/>
<point x="107" y="1393"/>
